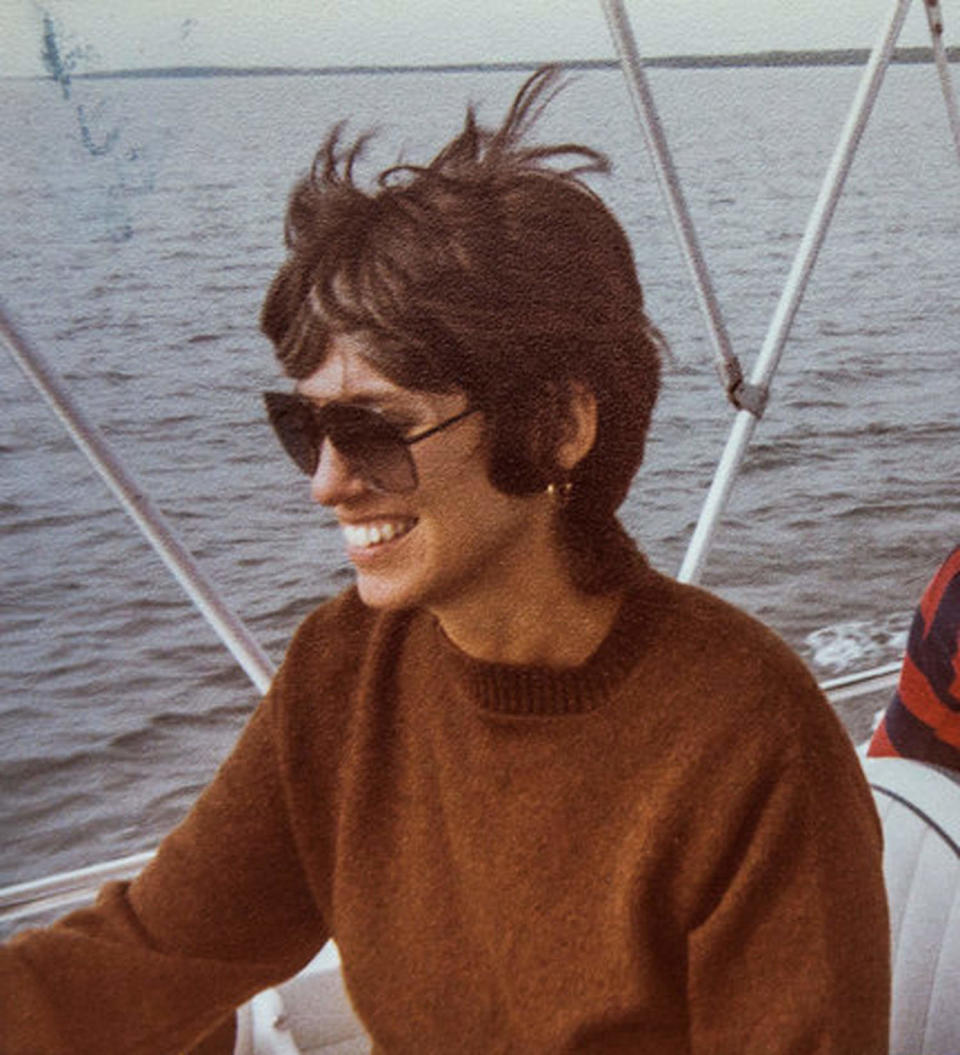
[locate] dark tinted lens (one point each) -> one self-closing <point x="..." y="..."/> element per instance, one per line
<point x="373" y="447"/>
<point x="297" y="428"/>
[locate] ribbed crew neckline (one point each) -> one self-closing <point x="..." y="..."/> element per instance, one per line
<point x="543" y="691"/>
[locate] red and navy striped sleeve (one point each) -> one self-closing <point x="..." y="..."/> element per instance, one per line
<point x="923" y="719"/>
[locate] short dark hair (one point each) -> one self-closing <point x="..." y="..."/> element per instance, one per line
<point x="493" y="271"/>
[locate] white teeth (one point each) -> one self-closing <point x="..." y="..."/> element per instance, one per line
<point x="365" y="535"/>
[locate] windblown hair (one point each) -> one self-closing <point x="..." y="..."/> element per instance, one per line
<point x="496" y="271"/>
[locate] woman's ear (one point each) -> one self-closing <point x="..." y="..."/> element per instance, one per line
<point x="580" y="432"/>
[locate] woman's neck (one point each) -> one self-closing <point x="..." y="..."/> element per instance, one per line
<point x="540" y="622"/>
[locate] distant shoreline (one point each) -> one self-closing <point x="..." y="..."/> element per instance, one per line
<point x="837" y="57"/>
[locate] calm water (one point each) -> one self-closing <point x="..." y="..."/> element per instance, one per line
<point x="137" y="239"/>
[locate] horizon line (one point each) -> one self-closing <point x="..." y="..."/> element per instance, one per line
<point x="767" y="57"/>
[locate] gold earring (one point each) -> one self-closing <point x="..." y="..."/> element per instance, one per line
<point x="560" y="492"/>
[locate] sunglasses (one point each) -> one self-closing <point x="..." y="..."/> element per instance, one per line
<point x="375" y="449"/>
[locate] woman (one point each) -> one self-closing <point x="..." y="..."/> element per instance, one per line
<point x="544" y="799"/>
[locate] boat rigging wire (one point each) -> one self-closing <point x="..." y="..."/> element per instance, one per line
<point x="137" y="504"/>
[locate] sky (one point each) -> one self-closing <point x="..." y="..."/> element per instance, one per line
<point x="118" y="34"/>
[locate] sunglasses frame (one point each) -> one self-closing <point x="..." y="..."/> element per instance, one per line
<point x="303" y="445"/>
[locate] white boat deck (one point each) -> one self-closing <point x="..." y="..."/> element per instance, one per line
<point x="309" y="1014"/>
<point x="919" y="807"/>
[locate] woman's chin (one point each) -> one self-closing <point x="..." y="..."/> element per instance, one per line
<point x="383" y="591"/>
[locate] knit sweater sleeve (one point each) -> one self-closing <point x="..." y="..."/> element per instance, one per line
<point x="223" y="911"/>
<point x="791" y="951"/>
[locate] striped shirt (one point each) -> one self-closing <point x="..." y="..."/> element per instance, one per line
<point x="923" y="719"/>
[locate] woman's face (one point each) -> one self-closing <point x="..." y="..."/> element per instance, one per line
<point x="454" y="540"/>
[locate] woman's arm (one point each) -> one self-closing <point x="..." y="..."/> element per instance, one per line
<point x="223" y="911"/>
<point x="794" y="953"/>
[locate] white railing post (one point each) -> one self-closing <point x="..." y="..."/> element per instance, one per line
<point x="138" y="506"/>
<point x="793" y="290"/>
<point x="935" y="21"/>
<point x="652" y="128"/>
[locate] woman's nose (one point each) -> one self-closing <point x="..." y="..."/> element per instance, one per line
<point x="334" y="480"/>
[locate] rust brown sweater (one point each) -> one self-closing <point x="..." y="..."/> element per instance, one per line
<point x="670" y="849"/>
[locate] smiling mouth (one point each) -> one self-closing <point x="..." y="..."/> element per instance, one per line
<point x="375" y="532"/>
